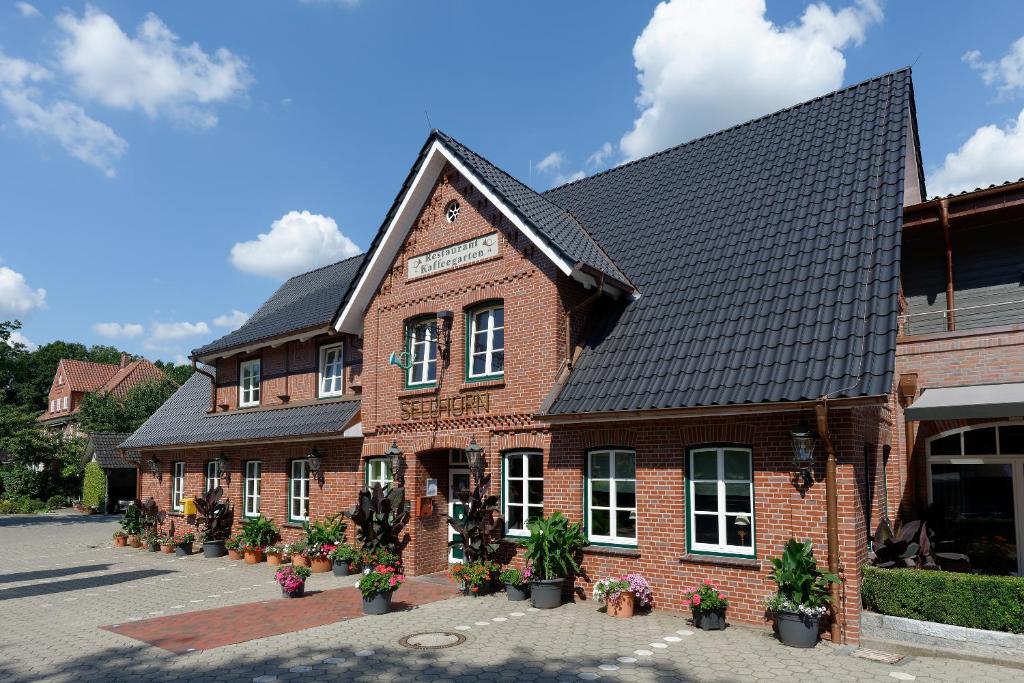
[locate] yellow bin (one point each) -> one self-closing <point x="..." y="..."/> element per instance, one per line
<point x="188" y="506"/>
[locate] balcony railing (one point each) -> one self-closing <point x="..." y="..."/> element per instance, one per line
<point x="964" y="318"/>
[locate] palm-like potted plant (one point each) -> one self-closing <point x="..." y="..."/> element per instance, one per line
<point x="803" y="596"/>
<point x="380" y="518"/>
<point x="377" y="586"/>
<point x="708" y="605"/>
<point x="257" y="533"/>
<point x="480" y="525"/>
<point x="551" y="550"/>
<point x="213" y="519"/>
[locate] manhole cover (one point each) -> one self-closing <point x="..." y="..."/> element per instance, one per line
<point x="877" y="656"/>
<point x="432" y="640"/>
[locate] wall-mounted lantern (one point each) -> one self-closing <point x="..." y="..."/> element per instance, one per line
<point x="315" y="466"/>
<point x="475" y="457"/>
<point x="223" y="467"/>
<point x="445" y="318"/>
<point x="804" y="439"/>
<point x="396" y="460"/>
<point x="154" y="468"/>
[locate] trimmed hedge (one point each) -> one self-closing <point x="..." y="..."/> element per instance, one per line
<point x="94" y="486"/>
<point x="993" y="603"/>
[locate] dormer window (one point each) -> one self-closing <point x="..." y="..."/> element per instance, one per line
<point x="331" y="370"/>
<point x="249" y="383"/>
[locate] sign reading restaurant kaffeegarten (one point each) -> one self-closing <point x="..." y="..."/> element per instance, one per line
<point x="454" y="256"/>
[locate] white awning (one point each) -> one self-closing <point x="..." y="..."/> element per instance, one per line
<point x="980" y="400"/>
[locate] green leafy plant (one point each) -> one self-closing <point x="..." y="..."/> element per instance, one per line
<point x="94" y="486"/>
<point x="611" y="590"/>
<point x="380" y="556"/>
<point x="803" y="588"/>
<point x="213" y="515"/>
<point x="380" y="579"/>
<point x="323" y="537"/>
<point x="380" y="517"/>
<point x="22" y="505"/>
<point x="132" y="521"/>
<point x="56" y="502"/>
<point x="259" y="532"/>
<point x="553" y="546"/>
<point x="152" y="517"/>
<point x="120" y="534"/>
<point x="345" y="553"/>
<point x="480" y="525"/>
<point x="705" y="597"/>
<point x="184" y="538"/>
<point x="514" y="577"/>
<point x="473" y="575"/>
<point x="233" y="542"/>
<point x="912" y="546"/>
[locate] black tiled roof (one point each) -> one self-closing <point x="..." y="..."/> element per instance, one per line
<point x="554" y="224"/>
<point x="104" y="446"/>
<point x="766" y="256"/>
<point x="183" y="420"/>
<point x="304" y="301"/>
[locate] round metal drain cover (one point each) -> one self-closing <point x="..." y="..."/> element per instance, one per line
<point x="432" y="640"/>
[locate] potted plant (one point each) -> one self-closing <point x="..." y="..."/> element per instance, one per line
<point x="120" y="538"/>
<point x="380" y="556"/>
<point x="213" y="520"/>
<point x="257" y="534"/>
<point x="297" y="551"/>
<point x="479" y="526"/>
<point x="379" y="519"/>
<point x="167" y="544"/>
<point x="708" y="605"/>
<point x="131" y="522"/>
<point x="344" y="557"/>
<point x="292" y="581"/>
<point x="321" y="539"/>
<point x="803" y="596"/>
<point x="615" y="593"/>
<point x="275" y="554"/>
<point x="234" y="547"/>
<point x="517" y="583"/>
<point x="551" y="550"/>
<point x="377" y="585"/>
<point x="474" y="578"/>
<point x="183" y="543"/>
<point x="151" y="541"/>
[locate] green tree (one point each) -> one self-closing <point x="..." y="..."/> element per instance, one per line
<point x="109" y="413"/>
<point x="22" y="438"/>
<point x="94" y="486"/>
<point x="12" y="358"/>
<point x="178" y="373"/>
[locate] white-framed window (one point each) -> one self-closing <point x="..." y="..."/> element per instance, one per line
<point x="177" y="485"/>
<point x="378" y="471"/>
<point x="332" y="370"/>
<point x="52" y="404"/>
<point x="67" y="402"/>
<point x="522" y="492"/>
<point x="422" y="353"/>
<point x="249" y="383"/>
<point x="720" y="501"/>
<point x="486" y="342"/>
<point x="298" y="491"/>
<point x="611" y="496"/>
<point x="253" y="472"/>
<point x="212" y="475"/>
<point x="60" y="380"/>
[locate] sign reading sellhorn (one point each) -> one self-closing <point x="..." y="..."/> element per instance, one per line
<point x="454" y="256"/>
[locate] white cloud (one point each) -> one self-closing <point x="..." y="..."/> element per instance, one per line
<point x="153" y="71"/>
<point x="992" y="154"/>
<point x="182" y="359"/>
<point x="551" y="162"/>
<point x="704" y="65"/>
<point x="1007" y="74"/>
<point x="81" y="136"/>
<point x="598" y="158"/>
<point x="297" y="242"/>
<point x="163" y="332"/>
<point x="119" y="330"/>
<point x="18" y="338"/>
<point x="16" y="297"/>
<point x="232" y="320"/>
<point x="26" y="9"/>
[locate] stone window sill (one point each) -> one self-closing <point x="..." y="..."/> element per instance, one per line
<point x="496" y="383"/>
<point x="609" y="550"/>
<point x="741" y="562"/>
<point x="417" y="391"/>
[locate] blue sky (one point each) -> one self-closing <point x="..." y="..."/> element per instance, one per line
<point x="144" y="146"/>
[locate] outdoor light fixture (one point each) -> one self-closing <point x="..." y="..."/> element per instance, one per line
<point x="314" y="464"/>
<point x="154" y="467"/>
<point x="803" y="452"/>
<point x="222" y="468"/>
<point x="445" y="318"/>
<point x="475" y="456"/>
<point x="742" y="524"/>
<point x="397" y="462"/>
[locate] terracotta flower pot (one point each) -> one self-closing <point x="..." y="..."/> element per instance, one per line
<point x="273" y="558"/>
<point x="623" y="607"/>
<point x="253" y="556"/>
<point x="134" y="541"/>
<point x="234" y="554"/>
<point x="300" y="561"/>
<point x="167" y="548"/>
<point x="319" y="565"/>
<point x="120" y="541"/>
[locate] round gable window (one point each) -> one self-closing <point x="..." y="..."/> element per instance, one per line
<point x="451" y="212"/>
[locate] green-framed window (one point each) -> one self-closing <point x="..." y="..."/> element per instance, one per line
<point x="522" y="490"/>
<point x="378" y="471"/>
<point x="252" y="488"/>
<point x="611" y="497"/>
<point x="485" y="342"/>
<point x="421" y="344"/>
<point x="298" y="491"/>
<point x="720" y="501"/>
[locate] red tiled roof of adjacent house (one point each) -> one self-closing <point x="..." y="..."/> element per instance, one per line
<point x="87" y="377"/>
<point x="134" y="373"/>
<point x="84" y="375"/>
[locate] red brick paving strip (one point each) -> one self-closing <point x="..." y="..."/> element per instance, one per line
<point x="212" y="628"/>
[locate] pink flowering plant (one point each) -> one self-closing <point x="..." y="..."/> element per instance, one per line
<point x="640" y="588"/>
<point x="516" y="577"/>
<point x="611" y="590"/>
<point x="705" y="597"/>
<point x="291" y="578"/>
<point x="380" y="579"/>
<point x="319" y="551"/>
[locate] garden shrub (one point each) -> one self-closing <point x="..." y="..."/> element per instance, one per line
<point x="22" y="505"/>
<point x="993" y="603"/>
<point x="20" y="481"/>
<point x="56" y="502"/>
<point x="94" y="486"/>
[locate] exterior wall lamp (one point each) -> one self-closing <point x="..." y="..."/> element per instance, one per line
<point x="315" y="466"/>
<point x="396" y="460"/>
<point x="445" y="318"/>
<point x="154" y="468"/>
<point x="804" y="439"/>
<point x="223" y="467"/>
<point x="475" y="456"/>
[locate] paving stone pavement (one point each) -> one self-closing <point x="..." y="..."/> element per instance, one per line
<point x="62" y="578"/>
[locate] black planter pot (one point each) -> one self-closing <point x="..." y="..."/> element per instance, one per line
<point x="297" y="593"/>
<point x="797" y="630"/>
<point x="546" y="593"/>
<point x="517" y="593"/>
<point x="341" y="568"/>
<point x="709" y="620"/>
<point x="214" y="549"/>
<point x="154" y="547"/>
<point x="183" y="549"/>
<point x="378" y="603"/>
<point x="482" y="589"/>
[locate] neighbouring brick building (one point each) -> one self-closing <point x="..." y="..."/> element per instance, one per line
<point x="633" y="349"/>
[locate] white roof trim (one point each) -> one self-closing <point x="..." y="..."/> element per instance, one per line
<point x="351" y="317"/>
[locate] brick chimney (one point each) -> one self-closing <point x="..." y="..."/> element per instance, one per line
<point x="125" y="360"/>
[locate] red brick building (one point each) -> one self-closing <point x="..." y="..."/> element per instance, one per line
<point x="634" y="350"/>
